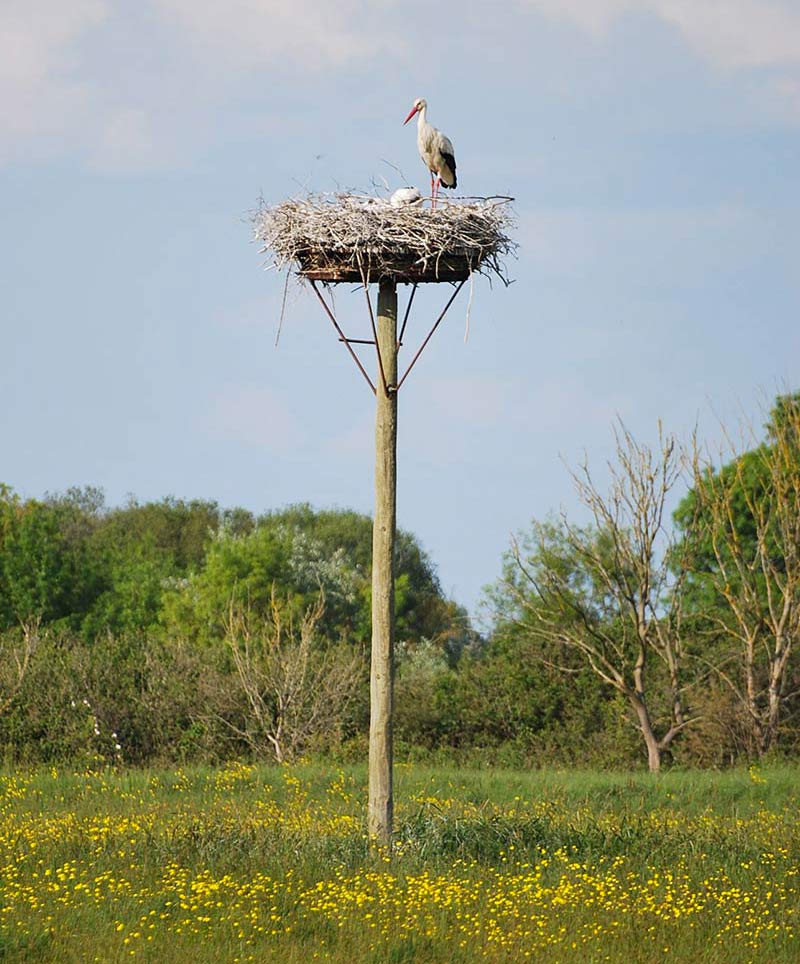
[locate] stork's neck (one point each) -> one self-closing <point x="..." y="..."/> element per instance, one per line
<point x="422" y="119"/>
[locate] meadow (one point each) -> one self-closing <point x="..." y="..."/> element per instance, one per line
<point x="258" y="863"/>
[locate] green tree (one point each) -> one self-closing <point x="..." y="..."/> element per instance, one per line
<point x="44" y="570"/>
<point x="175" y="527"/>
<point x="301" y="554"/>
<point x="344" y="537"/>
<point x="744" y="584"/>
<point x="240" y="569"/>
<point x="143" y="551"/>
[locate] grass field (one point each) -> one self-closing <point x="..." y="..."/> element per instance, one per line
<point x="272" y="864"/>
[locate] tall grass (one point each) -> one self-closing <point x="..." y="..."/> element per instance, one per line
<point x="267" y="863"/>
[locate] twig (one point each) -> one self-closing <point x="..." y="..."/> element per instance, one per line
<point x="328" y="229"/>
<point x="283" y="310"/>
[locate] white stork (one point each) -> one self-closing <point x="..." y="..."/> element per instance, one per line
<point x="435" y="149"/>
<point x="405" y="196"/>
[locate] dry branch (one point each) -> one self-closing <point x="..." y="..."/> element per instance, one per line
<point x="295" y="689"/>
<point x="346" y="238"/>
<point x="606" y="592"/>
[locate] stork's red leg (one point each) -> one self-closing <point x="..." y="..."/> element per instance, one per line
<point x="433" y="192"/>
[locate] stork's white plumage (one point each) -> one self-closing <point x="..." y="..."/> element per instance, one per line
<point x="435" y="149"/>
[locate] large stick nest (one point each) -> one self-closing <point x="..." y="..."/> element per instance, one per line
<point x="351" y="238"/>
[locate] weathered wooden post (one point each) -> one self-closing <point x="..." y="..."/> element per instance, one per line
<point x="352" y="239"/>
<point x="381" y="802"/>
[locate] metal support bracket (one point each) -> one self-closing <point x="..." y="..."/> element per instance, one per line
<point x="342" y="336"/>
<point x="348" y="342"/>
<point x="430" y="333"/>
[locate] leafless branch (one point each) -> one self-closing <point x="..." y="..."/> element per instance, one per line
<point x="16" y="651"/>
<point x="294" y="686"/>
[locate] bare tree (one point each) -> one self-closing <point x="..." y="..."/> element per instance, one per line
<point x="16" y="650"/>
<point x="749" y="511"/>
<point x="617" y="604"/>
<point x="295" y="687"/>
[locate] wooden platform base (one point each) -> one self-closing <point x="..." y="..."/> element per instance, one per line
<point x="328" y="268"/>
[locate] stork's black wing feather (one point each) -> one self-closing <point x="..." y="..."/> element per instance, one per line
<point x="450" y="161"/>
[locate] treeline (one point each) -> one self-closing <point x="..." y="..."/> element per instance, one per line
<point x="175" y="630"/>
<point x="123" y="630"/>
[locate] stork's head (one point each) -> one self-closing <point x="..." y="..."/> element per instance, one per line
<point x="419" y="103"/>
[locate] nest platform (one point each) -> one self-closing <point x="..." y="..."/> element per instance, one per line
<point x="346" y="238"/>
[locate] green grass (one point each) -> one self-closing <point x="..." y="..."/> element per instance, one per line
<point x="267" y="863"/>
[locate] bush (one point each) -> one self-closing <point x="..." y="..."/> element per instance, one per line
<point x="120" y="699"/>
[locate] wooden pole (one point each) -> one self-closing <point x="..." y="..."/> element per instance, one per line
<point x="381" y="801"/>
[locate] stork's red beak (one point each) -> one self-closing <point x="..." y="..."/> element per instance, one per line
<point x="414" y="109"/>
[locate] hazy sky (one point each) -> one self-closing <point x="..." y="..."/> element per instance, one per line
<point x="653" y="147"/>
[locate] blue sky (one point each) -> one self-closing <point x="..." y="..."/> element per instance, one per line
<point x="653" y="147"/>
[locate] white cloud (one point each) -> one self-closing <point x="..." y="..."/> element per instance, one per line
<point x="255" y="415"/>
<point x="121" y="84"/>
<point x="737" y="33"/>
<point x="34" y="35"/>
<point x="40" y="98"/>
<point x="730" y="33"/>
<point x="593" y="16"/>
<point x="126" y="142"/>
<point x="132" y="86"/>
<point x="251" y="33"/>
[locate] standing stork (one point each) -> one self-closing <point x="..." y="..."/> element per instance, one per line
<point x="435" y="149"/>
